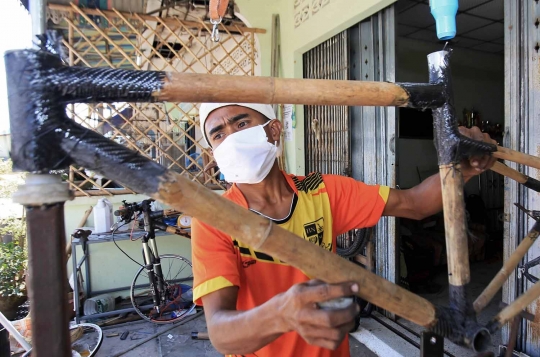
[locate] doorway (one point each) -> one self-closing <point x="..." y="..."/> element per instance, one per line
<point x="478" y="82"/>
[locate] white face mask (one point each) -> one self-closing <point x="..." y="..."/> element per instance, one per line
<point x="246" y="156"/>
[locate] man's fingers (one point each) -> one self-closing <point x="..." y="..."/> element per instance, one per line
<point x="329" y="318"/>
<point x="314" y="282"/>
<point x="329" y="338"/>
<point x="324" y="292"/>
<point x="317" y="332"/>
<point x="477" y="133"/>
<point x="480" y="163"/>
<point x="324" y="343"/>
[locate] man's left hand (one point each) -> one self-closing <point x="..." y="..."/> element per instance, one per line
<point x="475" y="165"/>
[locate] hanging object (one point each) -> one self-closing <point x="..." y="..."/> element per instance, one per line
<point x="444" y="12"/>
<point x="217" y="9"/>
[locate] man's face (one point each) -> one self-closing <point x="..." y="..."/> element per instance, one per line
<point x="228" y="120"/>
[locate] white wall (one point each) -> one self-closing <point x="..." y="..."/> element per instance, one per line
<point x="478" y="81"/>
<point x="5" y="145"/>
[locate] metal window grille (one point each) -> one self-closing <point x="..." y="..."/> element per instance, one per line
<point x="167" y="132"/>
<point x="327" y="138"/>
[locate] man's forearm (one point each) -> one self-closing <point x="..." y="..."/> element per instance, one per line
<point x="243" y="332"/>
<point x="427" y="195"/>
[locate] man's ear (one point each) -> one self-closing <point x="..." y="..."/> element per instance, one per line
<point x="275" y="129"/>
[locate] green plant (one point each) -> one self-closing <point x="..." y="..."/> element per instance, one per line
<point x="13" y="263"/>
<point x="16" y="227"/>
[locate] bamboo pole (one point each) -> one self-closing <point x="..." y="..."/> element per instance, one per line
<point x="518" y="157"/>
<point x="517" y="306"/>
<point x="517" y="176"/>
<point x="262" y="235"/>
<point x="457" y="249"/>
<point x="504" y="170"/>
<point x="508" y="268"/>
<point x="195" y="87"/>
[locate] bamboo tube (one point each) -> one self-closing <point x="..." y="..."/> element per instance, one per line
<point x="456" y="235"/>
<point x="192" y="87"/>
<point x="516" y="156"/>
<point x="263" y="236"/>
<point x="508" y="268"/>
<point x="504" y="170"/>
<point x="517" y="176"/>
<point x="517" y="306"/>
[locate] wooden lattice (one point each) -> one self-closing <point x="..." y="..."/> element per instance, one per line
<point x="167" y="132"/>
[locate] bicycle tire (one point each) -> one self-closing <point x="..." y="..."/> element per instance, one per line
<point x="93" y="352"/>
<point x="176" y="293"/>
<point x="360" y="239"/>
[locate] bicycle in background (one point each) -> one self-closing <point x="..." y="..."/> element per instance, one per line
<point x="161" y="291"/>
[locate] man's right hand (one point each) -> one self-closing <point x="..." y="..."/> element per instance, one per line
<point x="324" y="328"/>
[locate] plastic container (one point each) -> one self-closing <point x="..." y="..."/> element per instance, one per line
<point x="444" y="12"/>
<point x="103" y="216"/>
<point x="99" y="304"/>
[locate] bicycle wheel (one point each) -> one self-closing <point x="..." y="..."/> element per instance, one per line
<point x="85" y="342"/>
<point x="177" y="297"/>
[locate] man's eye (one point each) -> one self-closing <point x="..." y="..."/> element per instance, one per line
<point x="218" y="136"/>
<point x="242" y="124"/>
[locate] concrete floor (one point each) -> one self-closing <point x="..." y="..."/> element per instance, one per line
<point x="481" y="274"/>
<point x="176" y="342"/>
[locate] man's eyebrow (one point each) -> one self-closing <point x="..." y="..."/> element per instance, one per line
<point x="215" y="129"/>
<point x="238" y="117"/>
<point x="230" y="120"/>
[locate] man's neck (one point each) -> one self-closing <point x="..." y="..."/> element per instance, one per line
<point x="273" y="190"/>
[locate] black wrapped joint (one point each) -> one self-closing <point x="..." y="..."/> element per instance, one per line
<point x="423" y="96"/>
<point x="533" y="184"/>
<point x="39" y="87"/>
<point x="461" y="329"/>
<point x="44" y="138"/>
<point x="451" y="145"/>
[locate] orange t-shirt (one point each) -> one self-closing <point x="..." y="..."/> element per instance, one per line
<point x="323" y="207"/>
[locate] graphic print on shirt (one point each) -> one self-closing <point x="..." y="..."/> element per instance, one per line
<point x="314" y="225"/>
<point x="314" y="232"/>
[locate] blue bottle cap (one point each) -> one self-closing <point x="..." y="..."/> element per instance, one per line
<point x="446" y="27"/>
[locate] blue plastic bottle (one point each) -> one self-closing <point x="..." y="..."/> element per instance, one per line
<point x="444" y="12"/>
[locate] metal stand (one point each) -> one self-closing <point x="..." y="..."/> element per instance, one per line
<point x="43" y="197"/>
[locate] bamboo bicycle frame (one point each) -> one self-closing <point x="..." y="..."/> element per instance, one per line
<point x="39" y="86"/>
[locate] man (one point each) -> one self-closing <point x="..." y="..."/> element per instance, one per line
<point x="255" y="304"/>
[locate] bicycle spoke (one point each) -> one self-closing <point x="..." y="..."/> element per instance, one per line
<point x="173" y="306"/>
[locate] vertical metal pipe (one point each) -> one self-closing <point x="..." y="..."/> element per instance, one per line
<point x="75" y="283"/>
<point x="38" y="14"/>
<point x="48" y="280"/>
